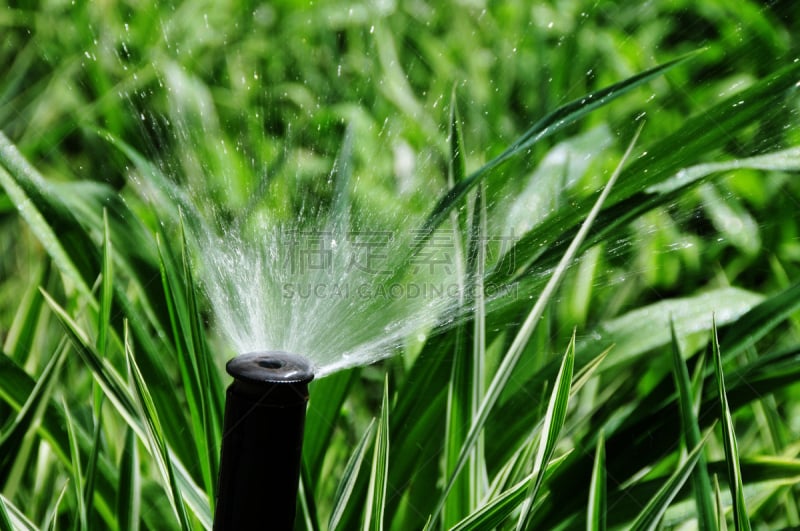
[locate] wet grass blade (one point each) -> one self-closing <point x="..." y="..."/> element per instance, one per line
<point x="551" y="428"/>
<point x="740" y="518"/>
<point x="476" y="263"/>
<point x="760" y="320"/>
<point x="516" y="349"/>
<point x="129" y="489"/>
<point x="689" y="315"/>
<point x="461" y="392"/>
<point x="376" y="494"/>
<point x="547" y="126"/>
<point x="701" y="483"/>
<point x="651" y="515"/>
<point x="458" y="162"/>
<point x="349" y="477"/>
<point x="698" y="136"/>
<point x="596" y="512"/>
<point x="467" y="377"/>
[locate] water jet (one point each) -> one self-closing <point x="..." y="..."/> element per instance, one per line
<point x="262" y="441"/>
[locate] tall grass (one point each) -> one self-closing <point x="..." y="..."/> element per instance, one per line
<point x="641" y="373"/>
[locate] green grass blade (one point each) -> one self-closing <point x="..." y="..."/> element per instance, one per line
<point x="21" y="334"/>
<point x="689" y="314"/>
<point x="106" y="290"/>
<point x="740" y="517"/>
<point x="197" y="373"/>
<point x="760" y="321"/>
<point x="461" y="390"/>
<point x="43" y="231"/>
<point x="765" y="469"/>
<point x="155" y="437"/>
<point x="94" y="456"/>
<point x="547" y="126"/>
<point x="130" y="482"/>
<point x="458" y="415"/>
<point x="117" y="392"/>
<point x="323" y="415"/>
<point x="701" y="483"/>
<point x="65" y="218"/>
<point x="458" y="162"/>
<point x="80" y="522"/>
<point x="651" y="515"/>
<point x="553" y="422"/>
<point x="698" y="136"/>
<point x="376" y="494"/>
<point x="467" y="376"/>
<point x="596" y="512"/>
<point x="31" y="411"/>
<point x="208" y="387"/>
<point x="5" y="520"/>
<point x="476" y="264"/>
<point x="349" y="477"/>
<point x="109" y="380"/>
<point x="707" y="130"/>
<point x="495" y="511"/>
<point x="720" y="508"/>
<point x="50" y="519"/>
<point x="698" y="381"/>
<point x="12" y="518"/>
<point x="516" y="349"/>
<point x="306" y="503"/>
<point x="588" y="370"/>
<point x="15" y="388"/>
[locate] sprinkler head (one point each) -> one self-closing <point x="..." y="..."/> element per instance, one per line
<point x="278" y="373"/>
<point x="262" y="441"/>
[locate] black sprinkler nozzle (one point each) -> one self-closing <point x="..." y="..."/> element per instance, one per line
<point x="262" y="441"/>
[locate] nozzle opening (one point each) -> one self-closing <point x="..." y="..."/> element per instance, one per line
<point x="270" y="364"/>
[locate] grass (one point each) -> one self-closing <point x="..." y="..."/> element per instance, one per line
<point x="643" y="372"/>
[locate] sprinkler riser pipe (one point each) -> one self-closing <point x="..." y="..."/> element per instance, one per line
<point x="262" y="442"/>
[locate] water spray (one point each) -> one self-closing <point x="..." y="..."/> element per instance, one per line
<point x="262" y="441"/>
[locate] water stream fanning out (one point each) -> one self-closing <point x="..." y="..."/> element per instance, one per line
<point x="334" y="283"/>
<point x="341" y="297"/>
